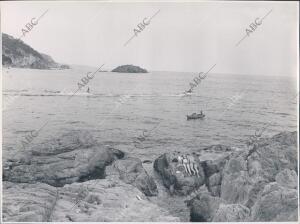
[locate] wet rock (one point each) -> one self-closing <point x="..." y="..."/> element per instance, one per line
<point x="72" y="157"/>
<point x="287" y="178"/>
<point x="231" y="213"/>
<point x="276" y="203"/>
<point x="92" y="201"/>
<point x="131" y="171"/>
<point x="174" y="176"/>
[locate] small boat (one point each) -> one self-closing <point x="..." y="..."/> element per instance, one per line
<point x="195" y="116"/>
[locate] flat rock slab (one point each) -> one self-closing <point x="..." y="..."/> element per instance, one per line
<point x="93" y="201"/>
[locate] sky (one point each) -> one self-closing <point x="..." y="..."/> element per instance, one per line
<point x="183" y="37"/>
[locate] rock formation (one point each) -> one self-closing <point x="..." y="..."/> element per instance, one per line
<point x="73" y="157"/>
<point x="70" y="178"/>
<point x="74" y="178"/>
<point x="100" y="200"/>
<point x="174" y="176"/>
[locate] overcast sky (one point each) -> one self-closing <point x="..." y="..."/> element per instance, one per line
<point x="187" y="37"/>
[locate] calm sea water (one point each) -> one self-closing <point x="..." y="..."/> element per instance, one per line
<point x="121" y="106"/>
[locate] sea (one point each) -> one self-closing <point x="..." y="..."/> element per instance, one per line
<point x="120" y="107"/>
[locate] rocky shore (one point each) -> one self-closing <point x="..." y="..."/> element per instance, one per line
<point x="75" y="178"/>
<point x="255" y="184"/>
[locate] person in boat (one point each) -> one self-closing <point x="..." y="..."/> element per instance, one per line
<point x="88" y="90"/>
<point x="201" y="112"/>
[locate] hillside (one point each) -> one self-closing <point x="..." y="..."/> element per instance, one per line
<point x="15" y="53"/>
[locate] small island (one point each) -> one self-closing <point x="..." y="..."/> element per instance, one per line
<point x="129" y="69"/>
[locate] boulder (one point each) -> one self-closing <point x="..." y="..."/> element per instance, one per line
<point x="231" y="213"/>
<point x="72" y="157"/>
<point x="276" y="203"/>
<point x="174" y="176"/>
<point x="131" y="171"/>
